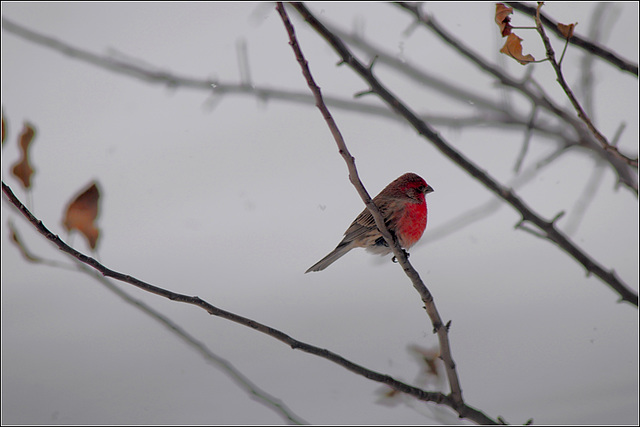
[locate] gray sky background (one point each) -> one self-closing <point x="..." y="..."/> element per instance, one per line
<point x="232" y="199"/>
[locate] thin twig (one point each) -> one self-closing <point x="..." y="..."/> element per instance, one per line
<point x="626" y="175"/>
<point x="576" y="105"/>
<point x="590" y="47"/>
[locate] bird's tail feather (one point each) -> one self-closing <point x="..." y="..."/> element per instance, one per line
<point x="333" y="256"/>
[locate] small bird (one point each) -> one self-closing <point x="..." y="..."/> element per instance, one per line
<point x="404" y="210"/>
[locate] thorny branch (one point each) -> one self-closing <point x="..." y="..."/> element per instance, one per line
<point x="439" y="328"/>
<point x="418" y="393"/>
<point x="548" y="228"/>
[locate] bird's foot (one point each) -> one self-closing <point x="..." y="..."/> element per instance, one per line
<point x="395" y="260"/>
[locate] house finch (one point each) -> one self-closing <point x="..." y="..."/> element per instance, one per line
<point x="404" y="210"/>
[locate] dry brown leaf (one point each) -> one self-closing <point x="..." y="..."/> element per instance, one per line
<point x="513" y="48"/>
<point x="82" y="212"/>
<point x="427" y="356"/>
<point x="566" y="30"/>
<point x="502" y="18"/>
<point x="22" y="169"/>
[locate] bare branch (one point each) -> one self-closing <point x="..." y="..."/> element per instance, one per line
<point x="131" y="67"/>
<point x="133" y="70"/>
<point x="625" y="174"/>
<point x="418" y="284"/>
<point x="215" y="311"/>
<point x="489" y="113"/>
<point x="487" y="208"/>
<point x="552" y="233"/>
<point x="227" y="367"/>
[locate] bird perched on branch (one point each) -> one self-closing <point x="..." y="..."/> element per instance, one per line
<point x="404" y="209"/>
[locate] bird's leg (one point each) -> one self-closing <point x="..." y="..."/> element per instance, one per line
<point x="395" y="260"/>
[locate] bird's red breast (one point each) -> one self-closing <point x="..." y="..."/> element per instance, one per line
<point x="412" y="223"/>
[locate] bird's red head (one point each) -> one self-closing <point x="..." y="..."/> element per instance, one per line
<point x="408" y="185"/>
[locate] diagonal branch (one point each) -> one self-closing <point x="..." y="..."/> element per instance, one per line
<point x="440" y="329"/>
<point x="454" y="92"/>
<point x="487" y="208"/>
<point x="489" y="115"/>
<point x="418" y="393"/>
<point x="357" y="183"/>
<point x="172" y="327"/>
<point x="626" y="176"/>
<point x="548" y="228"/>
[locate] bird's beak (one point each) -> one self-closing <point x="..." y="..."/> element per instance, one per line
<point x="428" y="190"/>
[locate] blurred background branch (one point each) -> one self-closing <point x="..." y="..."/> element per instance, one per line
<point x="241" y="380"/>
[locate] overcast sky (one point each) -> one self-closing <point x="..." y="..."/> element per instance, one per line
<point x="231" y="198"/>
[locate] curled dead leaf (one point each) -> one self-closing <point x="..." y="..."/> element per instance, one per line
<point x="82" y="212"/>
<point x="22" y="169"/>
<point x="502" y="18"/>
<point x="566" y="30"/>
<point x="513" y="48"/>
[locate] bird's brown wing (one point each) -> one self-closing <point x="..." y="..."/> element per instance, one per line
<point x="365" y="224"/>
